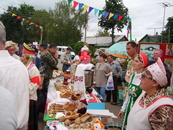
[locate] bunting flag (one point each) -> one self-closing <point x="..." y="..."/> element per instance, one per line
<point x="106" y="14"/>
<point x="27" y="21"/>
<point x="129" y="28"/>
<point x="110" y="15"/>
<point x="80" y="6"/>
<point x="85" y="8"/>
<point x="13" y="15"/>
<point x="116" y="16"/>
<point x="31" y="23"/>
<point x="90" y="9"/>
<point x="120" y="17"/>
<point x="100" y="12"/>
<point x="95" y="11"/>
<point x="41" y="28"/>
<point x="75" y="4"/>
<point x="4" y="9"/>
<point x="18" y="17"/>
<point x="36" y="25"/>
<point x="125" y="18"/>
<point x="69" y="1"/>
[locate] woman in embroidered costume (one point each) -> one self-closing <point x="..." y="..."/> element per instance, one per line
<point x="153" y="110"/>
<point x="133" y="91"/>
<point x="34" y="75"/>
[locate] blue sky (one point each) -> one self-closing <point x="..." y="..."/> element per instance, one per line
<point x="145" y="14"/>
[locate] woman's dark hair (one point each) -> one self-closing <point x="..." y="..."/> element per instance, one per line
<point x="168" y="75"/>
<point x="103" y="55"/>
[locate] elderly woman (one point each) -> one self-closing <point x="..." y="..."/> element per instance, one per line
<point x="12" y="47"/>
<point x="153" y="110"/>
<point x="102" y="71"/>
<point x="34" y="76"/>
<point x="133" y="92"/>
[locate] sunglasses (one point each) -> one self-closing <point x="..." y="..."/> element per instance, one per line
<point x="144" y="76"/>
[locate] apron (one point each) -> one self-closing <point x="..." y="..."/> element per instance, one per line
<point x="133" y="92"/>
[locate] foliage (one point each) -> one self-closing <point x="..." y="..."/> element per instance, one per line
<point x="167" y="35"/>
<point x="67" y="24"/>
<point x="18" y="30"/>
<point x="62" y="25"/>
<point x="101" y="32"/>
<point x="77" y="47"/>
<point x="115" y="7"/>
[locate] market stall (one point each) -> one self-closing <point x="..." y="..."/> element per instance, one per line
<point x="67" y="109"/>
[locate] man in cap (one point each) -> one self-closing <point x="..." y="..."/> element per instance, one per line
<point x="14" y="77"/>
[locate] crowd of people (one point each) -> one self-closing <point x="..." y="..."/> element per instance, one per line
<point x="23" y="79"/>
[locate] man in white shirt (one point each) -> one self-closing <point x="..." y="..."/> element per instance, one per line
<point x="8" y="118"/>
<point x="15" y="78"/>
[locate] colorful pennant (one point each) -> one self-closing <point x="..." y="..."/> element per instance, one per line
<point x="69" y="1"/>
<point x="120" y="17"/>
<point x="90" y="9"/>
<point x="27" y="21"/>
<point x="75" y="4"/>
<point x="110" y="15"/>
<point x="80" y="6"/>
<point x="18" y="17"/>
<point x="13" y="15"/>
<point x="85" y="8"/>
<point x="95" y="11"/>
<point x="106" y="15"/>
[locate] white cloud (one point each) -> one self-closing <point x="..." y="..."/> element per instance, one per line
<point x="144" y="13"/>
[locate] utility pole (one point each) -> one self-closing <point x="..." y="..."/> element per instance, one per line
<point x="164" y="4"/>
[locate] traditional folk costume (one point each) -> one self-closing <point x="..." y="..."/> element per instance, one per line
<point x="133" y="91"/>
<point x="34" y="76"/>
<point x="156" y="111"/>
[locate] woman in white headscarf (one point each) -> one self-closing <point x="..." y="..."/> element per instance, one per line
<point x="153" y="110"/>
<point x="12" y="47"/>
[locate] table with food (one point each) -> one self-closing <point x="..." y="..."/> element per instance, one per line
<point x="71" y="108"/>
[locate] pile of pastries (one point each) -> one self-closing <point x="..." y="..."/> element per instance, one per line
<point x="71" y="116"/>
<point x="67" y="92"/>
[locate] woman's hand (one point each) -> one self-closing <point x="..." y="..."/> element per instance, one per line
<point x="107" y="75"/>
<point x="120" y="114"/>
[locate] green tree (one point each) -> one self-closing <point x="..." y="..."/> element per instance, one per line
<point x="115" y="7"/>
<point x="100" y="32"/>
<point x="167" y="35"/>
<point x="16" y="29"/>
<point x="66" y="24"/>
